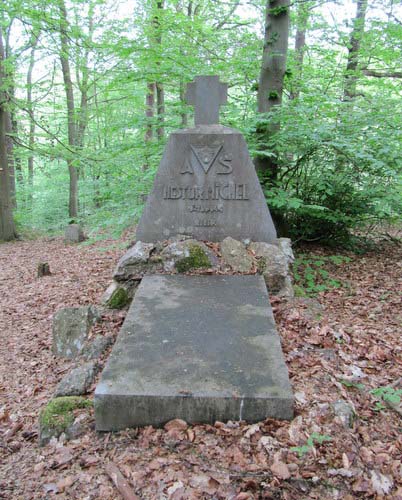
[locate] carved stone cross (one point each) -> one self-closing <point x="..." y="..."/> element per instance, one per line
<point x="206" y="94"/>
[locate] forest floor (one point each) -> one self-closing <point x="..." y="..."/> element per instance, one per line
<point x="342" y="353"/>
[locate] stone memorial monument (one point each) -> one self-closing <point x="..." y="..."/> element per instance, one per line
<point x="206" y="186"/>
<point x="200" y="348"/>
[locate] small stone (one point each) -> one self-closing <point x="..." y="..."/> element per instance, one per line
<point x="134" y="262"/>
<point x="78" y="381"/>
<point x="285" y="244"/>
<point x="74" y="234"/>
<point x="118" y="295"/>
<point x="235" y="254"/>
<point x="58" y="416"/>
<point x="71" y="327"/>
<point x="187" y="254"/>
<point x="344" y="411"/>
<point x="273" y="265"/>
<point x="95" y="349"/>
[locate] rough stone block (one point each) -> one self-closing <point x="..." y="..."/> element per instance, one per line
<point x="74" y="234"/>
<point x="134" y="262"/>
<point x="71" y="327"/>
<point x="179" y="254"/>
<point x="198" y="348"/>
<point x="78" y="381"/>
<point x="235" y="254"/>
<point x="273" y="264"/>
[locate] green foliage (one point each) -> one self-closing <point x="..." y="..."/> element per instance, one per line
<point x="58" y="414"/>
<point x="339" y="163"/>
<point x="338" y="169"/>
<point x="196" y="260"/>
<point x="278" y="10"/>
<point x="351" y="384"/>
<point x="315" y="438"/>
<point x="386" y="393"/>
<point x="311" y="273"/>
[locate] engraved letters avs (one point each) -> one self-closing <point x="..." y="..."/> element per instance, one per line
<point x="210" y="197"/>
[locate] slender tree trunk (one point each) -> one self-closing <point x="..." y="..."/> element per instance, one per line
<point x="149" y="110"/>
<point x="272" y="74"/>
<point x="9" y="76"/>
<point x="7" y="226"/>
<point x="300" y="47"/>
<point x="160" y="93"/>
<point x="31" y="137"/>
<point x="183" y="114"/>
<point x="356" y="35"/>
<point x="160" y="108"/>
<point x="71" y="126"/>
<point x="10" y="157"/>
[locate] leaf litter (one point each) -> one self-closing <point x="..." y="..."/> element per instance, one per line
<point x="343" y="354"/>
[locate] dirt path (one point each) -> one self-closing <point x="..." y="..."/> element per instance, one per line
<point x="351" y="349"/>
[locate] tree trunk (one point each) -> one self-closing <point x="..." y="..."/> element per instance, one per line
<point x="68" y="86"/>
<point x="10" y="157"/>
<point x="272" y="74"/>
<point x="160" y="108"/>
<point x="7" y="227"/>
<point x="149" y="110"/>
<point x="300" y="47"/>
<point x="160" y="92"/>
<point x="353" y="50"/>
<point x="31" y="137"/>
<point x="183" y="114"/>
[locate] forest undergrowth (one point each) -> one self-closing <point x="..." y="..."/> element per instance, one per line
<point x="343" y="345"/>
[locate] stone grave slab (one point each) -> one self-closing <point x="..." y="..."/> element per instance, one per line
<point x="206" y="186"/>
<point x="199" y="348"/>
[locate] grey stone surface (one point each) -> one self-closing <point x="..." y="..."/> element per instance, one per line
<point x="235" y="254"/>
<point x="273" y="264"/>
<point x="134" y="262"/>
<point x="120" y="293"/>
<point x="74" y="234"/>
<point x="178" y="250"/>
<point x="71" y="327"/>
<point x="78" y="381"/>
<point x="95" y="348"/>
<point x="285" y="244"/>
<point x="206" y="187"/>
<point x="206" y="94"/>
<point x="344" y="412"/>
<point x="199" y="348"/>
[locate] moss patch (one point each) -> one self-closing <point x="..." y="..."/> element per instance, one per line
<point x="119" y="299"/>
<point x="197" y="259"/>
<point x="261" y="265"/>
<point x="58" y="414"/>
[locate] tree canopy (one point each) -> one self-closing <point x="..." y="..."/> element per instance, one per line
<point x="92" y="88"/>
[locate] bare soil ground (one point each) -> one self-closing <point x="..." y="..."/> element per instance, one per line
<point x="342" y="353"/>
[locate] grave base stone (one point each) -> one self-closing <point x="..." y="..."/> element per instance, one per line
<point x="199" y="348"/>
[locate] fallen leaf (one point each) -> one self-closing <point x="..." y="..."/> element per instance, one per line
<point x="176" y="424"/>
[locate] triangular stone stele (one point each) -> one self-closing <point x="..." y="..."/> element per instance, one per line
<point x="206" y="186"/>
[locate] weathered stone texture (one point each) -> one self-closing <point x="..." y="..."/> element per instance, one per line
<point x="273" y="264"/>
<point x="206" y="187"/>
<point x="177" y="251"/>
<point x="96" y="347"/>
<point x="71" y="327"/>
<point x="134" y="262"/>
<point x="78" y="381"/>
<point x="74" y="234"/>
<point x="235" y="254"/>
<point x="198" y="348"/>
